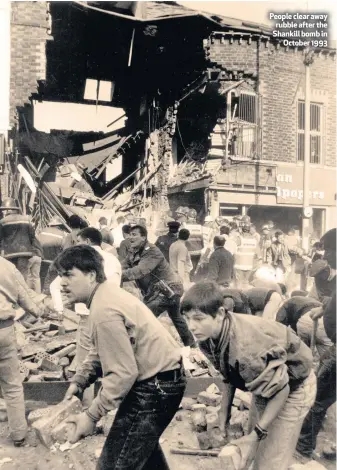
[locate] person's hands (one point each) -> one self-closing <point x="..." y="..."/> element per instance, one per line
<point x="316" y="313"/>
<point x="72" y="390"/>
<point x="248" y="446"/>
<point x="84" y="426"/>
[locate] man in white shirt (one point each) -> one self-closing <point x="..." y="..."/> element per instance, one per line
<point x="230" y="244"/>
<point x="117" y="232"/>
<point x="180" y="260"/>
<point x="113" y="272"/>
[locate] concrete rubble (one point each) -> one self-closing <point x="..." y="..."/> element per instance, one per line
<point x="205" y="421"/>
<point x="45" y="353"/>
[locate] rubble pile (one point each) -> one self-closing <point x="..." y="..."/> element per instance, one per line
<point x="46" y="348"/>
<point x="204" y="415"/>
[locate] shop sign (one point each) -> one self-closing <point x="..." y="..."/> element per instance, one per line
<point x="289" y="186"/>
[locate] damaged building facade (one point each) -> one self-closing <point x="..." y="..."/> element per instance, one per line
<point x="251" y="161"/>
<point x="144" y="107"/>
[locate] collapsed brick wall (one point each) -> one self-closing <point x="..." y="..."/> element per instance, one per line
<point x="29" y="33"/>
<point x="280" y="79"/>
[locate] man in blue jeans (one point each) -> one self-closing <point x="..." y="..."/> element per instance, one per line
<point x="140" y="362"/>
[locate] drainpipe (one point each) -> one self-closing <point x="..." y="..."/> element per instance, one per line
<point x="307" y="210"/>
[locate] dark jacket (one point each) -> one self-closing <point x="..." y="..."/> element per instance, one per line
<point x="124" y="249"/>
<point x="220" y="266"/>
<point x="147" y="266"/>
<point x="17" y="237"/>
<point x="258" y="355"/>
<point x="240" y="300"/>
<point x="164" y="242"/>
<point x="280" y="255"/>
<point x="294" y="308"/>
<point x="329" y="318"/>
<point x="258" y="297"/>
<point x="51" y="239"/>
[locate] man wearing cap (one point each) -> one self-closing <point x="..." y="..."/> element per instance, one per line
<point x="165" y="241"/>
<point x="19" y="243"/>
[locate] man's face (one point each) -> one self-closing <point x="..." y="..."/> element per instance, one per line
<point x="203" y="326"/>
<point x="280" y="238"/>
<point x="136" y="239"/>
<point x="76" y="286"/>
<point x="252" y="230"/>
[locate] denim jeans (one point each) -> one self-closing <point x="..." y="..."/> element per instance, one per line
<point x="326" y="396"/>
<point x="144" y="414"/>
<point x="160" y="304"/>
<point x="275" y="452"/>
<point x="34" y="268"/>
<point x="11" y="384"/>
<point x="304" y="329"/>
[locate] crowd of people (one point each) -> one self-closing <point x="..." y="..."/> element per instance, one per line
<point x="256" y="325"/>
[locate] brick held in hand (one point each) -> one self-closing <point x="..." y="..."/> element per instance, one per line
<point x="209" y="399"/>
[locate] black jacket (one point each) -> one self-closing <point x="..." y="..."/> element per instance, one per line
<point x="147" y="266"/>
<point x="220" y="266"/>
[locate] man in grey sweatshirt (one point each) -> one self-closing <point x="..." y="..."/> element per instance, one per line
<point x="139" y="362"/>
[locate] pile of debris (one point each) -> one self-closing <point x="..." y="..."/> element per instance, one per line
<point x="205" y="417"/>
<point x="46" y="348"/>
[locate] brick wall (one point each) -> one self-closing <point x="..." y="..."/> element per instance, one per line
<point x="29" y="26"/>
<point x="280" y="79"/>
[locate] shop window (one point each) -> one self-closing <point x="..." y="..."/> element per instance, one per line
<point x="316" y="132"/>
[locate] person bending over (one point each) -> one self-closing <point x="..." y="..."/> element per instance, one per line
<point x="262" y="357"/>
<point x="140" y="362"/>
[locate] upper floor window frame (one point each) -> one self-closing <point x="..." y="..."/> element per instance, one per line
<point x="317" y="132"/>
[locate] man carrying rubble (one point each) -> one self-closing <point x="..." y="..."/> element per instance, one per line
<point x="262" y="357"/>
<point x="140" y="363"/>
<point x="13" y="291"/>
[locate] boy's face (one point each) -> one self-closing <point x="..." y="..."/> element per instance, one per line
<point x="204" y="326"/>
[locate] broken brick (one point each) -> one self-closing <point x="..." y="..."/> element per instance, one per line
<point x="187" y="403"/>
<point x="217" y="438"/>
<point x="234" y="431"/>
<point x="49" y="363"/>
<point x="199" y="420"/>
<point x="62" y="432"/>
<point x="64" y="362"/>
<point x="35" y="378"/>
<point x="213" y="388"/>
<point x="209" y="399"/>
<point x="212" y="421"/>
<point x="65" y="351"/>
<point x="204" y="440"/>
<point x="57" y="414"/>
<point x="230" y="458"/>
<point x="50" y="376"/>
<point x="199" y="407"/>
<point x="37" y="414"/>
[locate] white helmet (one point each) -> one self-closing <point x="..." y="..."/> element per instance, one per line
<point x="209" y="218"/>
